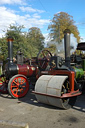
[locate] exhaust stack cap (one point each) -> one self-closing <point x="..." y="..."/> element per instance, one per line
<point x="67" y="31"/>
<point x="10" y="38"/>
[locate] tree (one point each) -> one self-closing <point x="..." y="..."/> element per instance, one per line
<point x="35" y="39"/>
<point x="59" y="23"/>
<point x="3" y="49"/>
<point x="19" y="38"/>
<point x="30" y="43"/>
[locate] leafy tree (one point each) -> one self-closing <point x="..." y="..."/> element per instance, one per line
<point x="3" y="49"/>
<point x="19" y="38"/>
<point x="59" y="23"/>
<point x="35" y="39"/>
<point x="30" y="43"/>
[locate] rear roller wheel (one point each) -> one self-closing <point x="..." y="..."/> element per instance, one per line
<point x="70" y="101"/>
<point x="18" y="86"/>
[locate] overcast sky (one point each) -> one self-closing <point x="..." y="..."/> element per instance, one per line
<point x="38" y="13"/>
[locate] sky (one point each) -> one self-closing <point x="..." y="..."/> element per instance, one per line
<point x="38" y="13"/>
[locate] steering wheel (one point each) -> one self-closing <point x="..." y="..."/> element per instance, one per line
<point x="43" y="59"/>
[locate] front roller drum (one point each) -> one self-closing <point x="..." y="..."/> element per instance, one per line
<point x="18" y="86"/>
<point x="48" y="86"/>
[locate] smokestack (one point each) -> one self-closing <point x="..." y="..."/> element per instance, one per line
<point x="10" y="49"/>
<point x="67" y="47"/>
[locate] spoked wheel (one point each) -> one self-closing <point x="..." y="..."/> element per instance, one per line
<point x="43" y="59"/>
<point x="18" y="86"/>
<point x="70" y="101"/>
<point x="3" y="85"/>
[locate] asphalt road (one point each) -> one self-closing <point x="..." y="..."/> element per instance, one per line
<point x="37" y="115"/>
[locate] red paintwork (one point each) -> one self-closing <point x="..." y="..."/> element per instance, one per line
<point x="70" y="74"/>
<point x="22" y="90"/>
<point x="27" y="70"/>
<point x="71" y="94"/>
<point x="9" y="39"/>
<point x="43" y="63"/>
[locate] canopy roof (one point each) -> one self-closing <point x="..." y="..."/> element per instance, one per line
<point x="81" y="46"/>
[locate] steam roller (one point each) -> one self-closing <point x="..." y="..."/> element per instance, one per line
<point x="49" y="90"/>
<point x="61" y="84"/>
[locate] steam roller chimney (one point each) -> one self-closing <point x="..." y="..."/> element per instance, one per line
<point x="67" y="47"/>
<point x="10" y="49"/>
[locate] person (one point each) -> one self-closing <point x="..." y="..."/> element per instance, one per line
<point x="14" y="59"/>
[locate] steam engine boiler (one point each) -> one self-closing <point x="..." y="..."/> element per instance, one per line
<point x="19" y="68"/>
